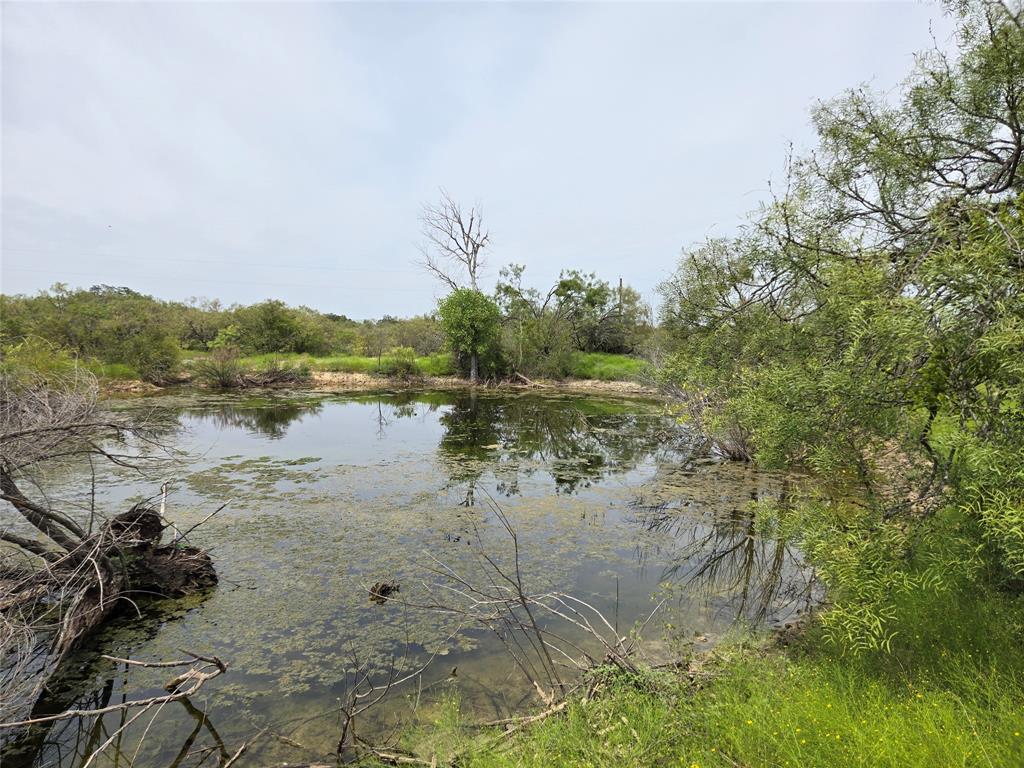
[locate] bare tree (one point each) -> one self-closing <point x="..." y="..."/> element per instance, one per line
<point x="454" y="239"/>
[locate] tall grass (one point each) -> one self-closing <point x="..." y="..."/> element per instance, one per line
<point x="428" y="365"/>
<point x="951" y="693"/>
<point x="606" y="366"/>
<point x="118" y="371"/>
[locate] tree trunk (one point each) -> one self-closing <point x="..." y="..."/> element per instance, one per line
<point x="474" y="368"/>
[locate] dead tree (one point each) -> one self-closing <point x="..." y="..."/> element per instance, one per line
<point x="453" y="243"/>
<point x="62" y="573"/>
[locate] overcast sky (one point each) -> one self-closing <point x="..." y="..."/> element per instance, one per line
<point x="259" y="151"/>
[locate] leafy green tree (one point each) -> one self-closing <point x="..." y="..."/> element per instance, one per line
<point x="472" y="324"/>
<point x="110" y="324"/>
<point x="423" y="334"/>
<point x="868" y="326"/>
<point x="578" y="313"/>
<point x="273" y="326"/>
<point x="197" y="322"/>
<point x="537" y="337"/>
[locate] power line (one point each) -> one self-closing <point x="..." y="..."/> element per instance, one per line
<point x="209" y="262"/>
<point x="275" y="283"/>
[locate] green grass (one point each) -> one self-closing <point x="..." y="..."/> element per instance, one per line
<point x="428" y="365"/>
<point x="586" y="365"/>
<point x="119" y="371"/>
<point x="606" y="366"/>
<point x="950" y="694"/>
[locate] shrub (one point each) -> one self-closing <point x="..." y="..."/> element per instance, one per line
<point x="220" y="369"/>
<point x="401" y="362"/>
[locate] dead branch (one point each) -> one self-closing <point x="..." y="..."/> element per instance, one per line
<point x="454" y="240"/>
<point x="200" y="670"/>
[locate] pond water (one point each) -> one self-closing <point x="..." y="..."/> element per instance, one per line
<point x="331" y="494"/>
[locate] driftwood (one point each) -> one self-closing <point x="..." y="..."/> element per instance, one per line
<point x="52" y="608"/>
<point x="62" y="576"/>
<point x="523" y="379"/>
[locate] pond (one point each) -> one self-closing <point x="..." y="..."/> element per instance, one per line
<point x="609" y="501"/>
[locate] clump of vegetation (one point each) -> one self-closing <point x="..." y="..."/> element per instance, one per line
<point x="606" y="366"/>
<point x="220" y="369"/>
<point x="543" y="333"/>
<point x="276" y="373"/>
<point x="401" y="362"/>
<point x="224" y="369"/>
<point x="948" y="692"/>
<point x="111" y="325"/>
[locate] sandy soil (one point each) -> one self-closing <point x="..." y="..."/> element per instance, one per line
<point x="128" y="387"/>
<point x="327" y="381"/>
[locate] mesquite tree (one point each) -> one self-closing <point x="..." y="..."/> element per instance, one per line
<point x="868" y="326"/>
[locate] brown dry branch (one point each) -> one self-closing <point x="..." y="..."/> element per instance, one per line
<point x="61" y="577"/>
<point x="200" y="669"/>
<point x="535" y="627"/>
<point x="454" y="239"/>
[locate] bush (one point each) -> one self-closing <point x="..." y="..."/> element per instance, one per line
<point x="154" y="355"/>
<point x="400" y="362"/>
<point x="273" y="326"/>
<point x="221" y="369"/>
<point x="277" y="373"/>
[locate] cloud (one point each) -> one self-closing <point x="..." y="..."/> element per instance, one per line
<point x="246" y="151"/>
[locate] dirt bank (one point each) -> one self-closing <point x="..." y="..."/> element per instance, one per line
<point x="326" y="381"/>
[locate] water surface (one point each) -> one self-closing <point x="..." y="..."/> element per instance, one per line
<point x="330" y="494"/>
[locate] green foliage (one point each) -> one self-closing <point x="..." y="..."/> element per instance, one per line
<point x="112" y="325"/>
<point x="228" y="337"/>
<point x="869" y="328"/>
<point x="949" y="692"/>
<point x="119" y="333"/>
<point x="542" y="332"/>
<point x="401" y="362"/>
<point x="221" y="368"/>
<point x="606" y="366"/>
<point x="37" y="357"/>
<point x="272" y="326"/>
<point x="472" y="324"/>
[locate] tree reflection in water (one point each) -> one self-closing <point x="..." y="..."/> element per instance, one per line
<point x="105" y="739"/>
<point x="578" y="442"/>
<point x="716" y="551"/>
<point x="267" y="417"/>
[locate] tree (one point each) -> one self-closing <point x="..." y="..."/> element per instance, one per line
<point x="579" y="312"/>
<point x="111" y="324"/>
<point x="472" y="323"/>
<point x="454" y="241"/>
<point x="273" y="326"/>
<point x="868" y="326"/>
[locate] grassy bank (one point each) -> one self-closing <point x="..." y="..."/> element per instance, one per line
<point x="607" y="367"/>
<point x="429" y="365"/>
<point x="586" y="365"/>
<point x="951" y="693"/>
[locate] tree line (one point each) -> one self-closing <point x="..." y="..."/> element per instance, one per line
<point x="117" y="325"/>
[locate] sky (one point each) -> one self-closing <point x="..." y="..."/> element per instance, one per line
<point x="285" y="150"/>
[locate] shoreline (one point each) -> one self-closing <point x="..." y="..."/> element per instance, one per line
<point x="339" y="382"/>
